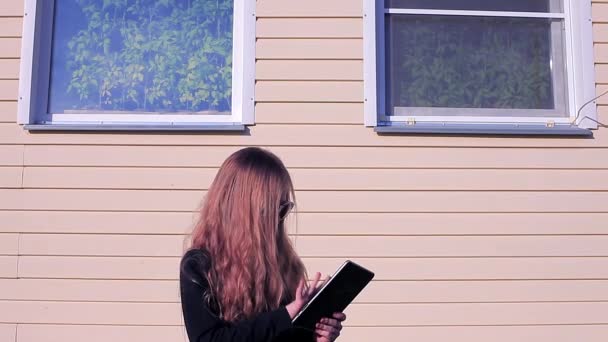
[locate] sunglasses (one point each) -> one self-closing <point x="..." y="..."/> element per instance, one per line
<point x="285" y="208"/>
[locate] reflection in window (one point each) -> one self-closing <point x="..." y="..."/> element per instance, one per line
<point x="141" y="56"/>
<point x="480" y="5"/>
<point x="474" y="62"/>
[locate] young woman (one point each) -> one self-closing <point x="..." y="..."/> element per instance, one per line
<point x="241" y="279"/>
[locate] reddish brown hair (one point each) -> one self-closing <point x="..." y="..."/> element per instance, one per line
<point x="254" y="267"/>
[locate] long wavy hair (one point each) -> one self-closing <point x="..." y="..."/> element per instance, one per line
<point x="254" y="267"/>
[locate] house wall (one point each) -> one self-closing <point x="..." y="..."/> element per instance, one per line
<point x="471" y="238"/>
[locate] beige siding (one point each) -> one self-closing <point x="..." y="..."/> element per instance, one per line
<point x="10" y="26"/>
<point x="310" y="179"/>
<point x="8" y="266"/>
<point x="8" y="332"/>
<point x="318" y="246"/>
<point x="471" y="238"/>
<point x="392" y="291"/>
<point x="404" y="269"/>
<point x="565" y="333"/>
<point x="113" y="313"/>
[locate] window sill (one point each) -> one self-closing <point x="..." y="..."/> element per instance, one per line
<point x="484" y="129"/>
<point x="137" y="127"/>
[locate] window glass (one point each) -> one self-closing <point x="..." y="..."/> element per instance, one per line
<point x="141" y="56"/>
<point x="502" y="64"/>
<point x="480" y="5"/>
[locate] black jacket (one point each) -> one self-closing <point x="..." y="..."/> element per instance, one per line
<point x="201" y="316"/>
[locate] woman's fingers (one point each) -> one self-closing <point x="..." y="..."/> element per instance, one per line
<point x="325" y="280"/>
<point x="328" y="327"/>
<point x="340" y="316"/>
<point x="326" y="331"/>
<point x="331" y="322"/>
<point x="313" y="286"/>
<point x="299" y="301"/>
<point x="300" y="291"/>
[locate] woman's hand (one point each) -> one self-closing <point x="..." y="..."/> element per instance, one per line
<point x="328" y="329"/>
<point x="303" y="295"/>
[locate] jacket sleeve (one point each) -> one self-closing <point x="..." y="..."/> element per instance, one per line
<point x="203" y="325"/>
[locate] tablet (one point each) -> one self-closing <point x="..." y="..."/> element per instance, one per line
<point x="335" y="295"/>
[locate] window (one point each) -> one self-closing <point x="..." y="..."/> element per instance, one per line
<point x="138" y="64"/>
<point x="458" y="66"/>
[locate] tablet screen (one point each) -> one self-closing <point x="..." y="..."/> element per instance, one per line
<point x="335" y="295"/>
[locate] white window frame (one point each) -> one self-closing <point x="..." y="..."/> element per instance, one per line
<point x="35" y="71"/>
<point x="580" y="71"/>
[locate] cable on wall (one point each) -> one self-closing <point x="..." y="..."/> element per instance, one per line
<point x="578" y="114"/>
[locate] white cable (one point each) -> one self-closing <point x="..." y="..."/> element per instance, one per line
<point x="578" y="114"/>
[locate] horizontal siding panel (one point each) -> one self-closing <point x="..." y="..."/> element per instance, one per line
<point x="313" y="179"/>
<point x="118" y="178"/>
<point x="8" y="332"/>
<point x="440" y="201"/>
<point x="101" y="333"/>
<point x="315" y="70"/>
<point x="600" y="33"/>
<point x="315" y="223"/>
<point x="91" y="290"/>
<point x="599" y="11"/>
<point x="119" y="200"/>
<point x="11" y="155"/>
<point x="9" y="69"/>
<point x="320" y="246"/>
<point x="167" y="268"/>
<point x="167" y="291"/>
<point x="478" y="314"/>
<point x="311" y="8"/>
<point x="10" y="177"/>
<point x="450" y="223"/>
<point x="8" y="89"/>
<point x="10" y="27"/>
<point x="11" y="48"/>
<point x="99" y="267"/>
<point x="359" y="314"/>
<point x="450" y="246"/>
<point x="293" y="135"/>
<point x="309" y="113"/>
<point x="90" y="313"/>
<point x="555" y="333"/>
<point x="96" y="245"/>
<point x="431" y="179"/>
<point x="309" y="49"/>
<point x="315" y="157"/>
<point x="493" y="291"/>
<point x="11" y="8"/>
<point x="9" y="244"/>
<point x="601" y="72"/>
<point x="601" y="88"/>
<point x="8" y="266"/>
<point x="309" y="28"/>
<point x="96" y="222"/>
<point x="601" y="56"/>
<point x="60" y="155"/>
<point x="470" y="268"/>
<point x="312" y="201"/>
<point x="8" y="111"/>
<point x="308" y="91"/>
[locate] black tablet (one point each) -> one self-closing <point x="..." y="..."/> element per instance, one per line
<point x="335" y="295"/>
